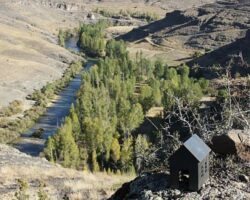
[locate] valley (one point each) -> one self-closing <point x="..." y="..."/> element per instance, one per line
<point x="96" y="96"/>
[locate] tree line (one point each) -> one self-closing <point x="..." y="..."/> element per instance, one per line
<point x="11" y="129"/>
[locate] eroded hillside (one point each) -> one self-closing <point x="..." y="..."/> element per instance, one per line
<point x="58" y="182"/>
<point x="234" y="57"/>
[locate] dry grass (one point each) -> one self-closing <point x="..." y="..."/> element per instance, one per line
<point x="30" y="56"/>
<point x="170" y="52"/>
<point x="155" y="112"/>
<point x="118" y="30"/>
<point x="79" y="185"/>
<point x="58" y="181"/>
<point x="116" y="7"/>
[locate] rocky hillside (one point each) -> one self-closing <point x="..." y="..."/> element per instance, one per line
<point x="228" y="179"/>
<point x="156" y="186"/>
<point x="234" y="56"/>
<point x="207" y="27"/>
<point x="165" y="4"/>
<point x="57" y="181"/>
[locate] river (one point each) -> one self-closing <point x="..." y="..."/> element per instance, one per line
<point x="55" y="113"/>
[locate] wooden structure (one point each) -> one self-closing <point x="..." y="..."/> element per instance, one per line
<point x="189" y="165"/>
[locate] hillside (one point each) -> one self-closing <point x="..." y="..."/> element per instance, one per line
<point x="30" y="56"/>
<point x="205" y="28"/>
<point x="58" y="181"/>
<point x="235" y="56"/>
<point x="165" y="4"/>
<point x="157" y="186"/>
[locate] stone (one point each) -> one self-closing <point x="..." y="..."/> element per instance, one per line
<point x="158" y="198"/>
<point x="153" y="191"/>
<point x="177" y="192"/>
<point x="244" y="178"/>
<point x="91" y="16"/>
<point x="235" y="142"/>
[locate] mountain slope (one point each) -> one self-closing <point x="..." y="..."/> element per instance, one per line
<point x="30" y="55"/>
<point x="207" y="27"/>
<point x="235" y="55"/>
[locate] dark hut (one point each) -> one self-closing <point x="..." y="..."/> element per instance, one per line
<point x="189" y="165"/>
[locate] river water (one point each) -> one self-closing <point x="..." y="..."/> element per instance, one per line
<point x="55" y="113"/>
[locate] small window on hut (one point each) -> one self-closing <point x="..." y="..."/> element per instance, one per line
<point x="206" y="167"/>
<point x="184" y="179"/>
<point x="202" y="170"/>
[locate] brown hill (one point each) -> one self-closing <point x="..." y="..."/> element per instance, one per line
<point x="235" y="56"/>
<point x="207" y="27"/>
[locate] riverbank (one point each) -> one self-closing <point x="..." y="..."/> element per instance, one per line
<point x="48" y="123"/>
<point x="50" y="120"/>
<point x="13" y="125"/>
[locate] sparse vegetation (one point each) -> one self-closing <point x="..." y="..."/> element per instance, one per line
<point x="62" y="36"/>
<point x="22" y="194"/>
<point x="197" y="54"/>
<point x="42" y="195"/>
<point x="14" y="107"/>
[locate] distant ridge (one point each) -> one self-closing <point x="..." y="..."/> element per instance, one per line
<point x="208" y="27"/>
<point x="235" y="55"/>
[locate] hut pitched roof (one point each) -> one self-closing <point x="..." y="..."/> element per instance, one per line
<point x="197" y="147"/>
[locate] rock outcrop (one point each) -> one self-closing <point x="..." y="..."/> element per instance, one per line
<point x="156" y="187"/>
<point x="207" y="27"/>
<point x="234" y="56"/>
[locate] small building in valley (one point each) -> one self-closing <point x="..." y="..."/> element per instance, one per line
<point x="189" y="165"/>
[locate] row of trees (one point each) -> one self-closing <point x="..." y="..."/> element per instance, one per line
<point x="114" y="97"/>
<point x="92" y="38"/>
<point x="10" y="129"/>
<point x="147" y="16"/>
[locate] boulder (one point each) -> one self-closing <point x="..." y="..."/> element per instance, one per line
<point x="235" y="142"/>
<point x="244" y="178"/>
<point x="91" y="16"/>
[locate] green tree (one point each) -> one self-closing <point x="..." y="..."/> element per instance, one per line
<point x="127" y="154"/>
<point x="115" y="150"/>
<point x="141" y="146"/>
<point x="76" y="127"/>
<point x="95" y="165"/>
<point x="49" y="150"/>
<point x="159" y="69"/>
<point x="146" y="97"/>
